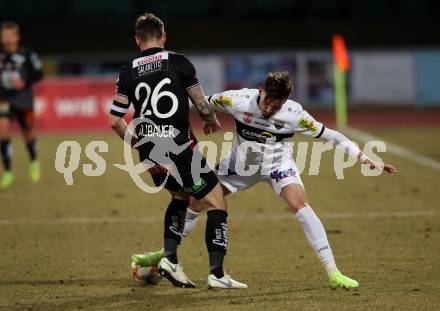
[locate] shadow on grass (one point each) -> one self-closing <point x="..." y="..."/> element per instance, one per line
<point x="122" y="294"/>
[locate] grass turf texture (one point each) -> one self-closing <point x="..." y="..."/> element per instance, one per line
<point x="85" y="264"/>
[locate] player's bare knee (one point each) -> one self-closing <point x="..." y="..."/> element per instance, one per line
<point x="296" y="205"/>
<point x="215" y="200"/>
<point x="215" y="204"/>
<point x="295" y="197"/>
<point x="196" y="206"/>
<point x="225" y="191"/>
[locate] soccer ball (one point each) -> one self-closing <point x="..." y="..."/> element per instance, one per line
<point x="145" y="275"/>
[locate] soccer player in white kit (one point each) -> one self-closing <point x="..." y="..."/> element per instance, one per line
<point x="265" y="121"/>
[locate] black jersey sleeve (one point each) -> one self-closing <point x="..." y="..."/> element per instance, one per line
<point x="121" y="84"/>
<point x="120" y="107"/>
<point x="188" y="72"/>
<point x="34" y="68"/>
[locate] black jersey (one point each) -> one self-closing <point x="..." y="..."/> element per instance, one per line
<point x="23" y="64"/>
<point x="156" y="83"/>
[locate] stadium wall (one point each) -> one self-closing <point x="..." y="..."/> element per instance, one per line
<point x="389" y="79"/>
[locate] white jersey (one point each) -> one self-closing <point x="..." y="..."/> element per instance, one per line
<point x="268" y="139"/>
<point x="267" y="135"/>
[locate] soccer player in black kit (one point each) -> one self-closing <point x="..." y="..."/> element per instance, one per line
<point x="158" y="83"/>
<point x="19" y="69"/>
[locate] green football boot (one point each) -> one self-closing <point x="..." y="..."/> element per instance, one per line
<point x="337" y="279"/>
<point x="35" y="170"/>
<point x="7" y="179"/>
<point x="148" y="259"/>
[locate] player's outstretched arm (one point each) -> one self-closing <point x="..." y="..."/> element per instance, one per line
<point x="347" y="145"/>
<point x="206" y="112"/>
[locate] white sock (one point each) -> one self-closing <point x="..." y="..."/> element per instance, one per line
<point x="317" y="237"/>
<point x="190" y="223"/>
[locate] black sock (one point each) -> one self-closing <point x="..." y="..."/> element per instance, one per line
<point x="32" y="148"/>
<point x="216" y="264"/>
<point x="216" y="238"/>
<point x="173" y="228"/>
<point x="5" y="150"/>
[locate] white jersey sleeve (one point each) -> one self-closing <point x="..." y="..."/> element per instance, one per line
<point x="305" y="124"/>
<point x="228" y="101"/>
<point x="342" y="142"/>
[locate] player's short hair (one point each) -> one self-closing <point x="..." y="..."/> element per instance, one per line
<point x="8" y="25"/>
<point x="148" y="26"/>
<point x="277" y="85"/>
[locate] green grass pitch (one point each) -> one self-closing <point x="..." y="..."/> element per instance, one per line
<point x="68" y="247"/>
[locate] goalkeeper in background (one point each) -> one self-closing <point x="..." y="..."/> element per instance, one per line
<point x="20" y="68"/>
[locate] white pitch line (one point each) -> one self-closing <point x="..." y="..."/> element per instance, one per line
<point x="254" y="217"/>
<point x="395" y="149"/>
<point x="67" y="221"/>
<point x="401" y="214"/>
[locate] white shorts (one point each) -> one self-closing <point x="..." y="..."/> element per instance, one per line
<point x="278" y="177"/>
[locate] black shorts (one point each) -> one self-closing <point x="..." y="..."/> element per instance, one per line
<point x="24" y="116"/>
<point x="198" y="187"/>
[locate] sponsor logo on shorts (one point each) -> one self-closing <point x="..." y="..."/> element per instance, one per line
<point x="199" y="185"/>
<point x="279" y="175"/>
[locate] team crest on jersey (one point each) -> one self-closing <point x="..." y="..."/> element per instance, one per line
<point x="279" y="124"/>
<point x="222" y="101"/>
<point x="307" y="124"/>
<point x="247" y="117"/>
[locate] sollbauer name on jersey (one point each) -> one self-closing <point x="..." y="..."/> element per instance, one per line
<point x="156" y="130"/>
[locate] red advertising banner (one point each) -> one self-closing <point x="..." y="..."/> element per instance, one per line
<point x="73" y="104"/>
<point x="82" y="104"/>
